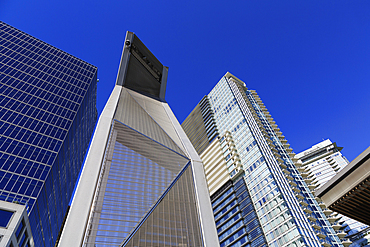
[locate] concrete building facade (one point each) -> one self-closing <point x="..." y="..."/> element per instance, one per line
<point x="143" y="183"/>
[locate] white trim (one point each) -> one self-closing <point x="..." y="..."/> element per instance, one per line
<point x="205" y="211"/>
<point x="346" y="181"/>
<point x="77" y="219"/>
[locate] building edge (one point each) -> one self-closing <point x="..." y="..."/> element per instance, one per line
<point x="210" y="237"/>
<point x="77" y="219"/>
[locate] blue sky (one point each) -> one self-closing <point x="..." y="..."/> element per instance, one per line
<point x="308" y="60"/>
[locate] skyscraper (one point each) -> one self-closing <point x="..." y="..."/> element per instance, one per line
<point x="322" y="162"/>
<point x="143" y="183"/>
<point x="258" y="195"/>
<point x="47" y="116"/>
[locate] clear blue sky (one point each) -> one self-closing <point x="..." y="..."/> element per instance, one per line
<point x="308" y="60"/>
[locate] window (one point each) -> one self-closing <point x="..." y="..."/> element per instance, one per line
<point x="5" y="217"/>
<point x="19" y="230"/>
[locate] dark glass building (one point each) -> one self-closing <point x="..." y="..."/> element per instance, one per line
<point x="47" y="116"/>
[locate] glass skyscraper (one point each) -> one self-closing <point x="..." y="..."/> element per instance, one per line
<point x="259" y="196"/>
<point x="143" y="183"/>
<point x="47" y="116"/>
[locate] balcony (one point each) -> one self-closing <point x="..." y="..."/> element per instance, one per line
<point x="286" y="171"/>
<point x="315" y="226"/>
<point x="336" y="226"/>
<point x="333" y="219"/>
<point x="281" y="137"/>
<point x="303" y="202"/>
<point x="236" y="172"/>
<point x="291" y="155"/>
<point x="318" y="199"/>
<point x="308" y="180"/>
<point x="320" y="233"/>
<point x="346" y="242"/>
<point x="276" y="154"/>
<point x="327" y="212"/>
<point x="296" y="189"/>
<point x="273" y="125"/>
<point x="341" y="234"/>
<point x="294" y="159"/>
<point x="279" y="133"/>
<point x="299" y="195"/>
<point x="312" y="186"/>
<point x="303" y="174"/>
<point x="325" y="242"/>
<point x="281" y="163"/>
<point x="298" y="163"/>
<point x="301" y="169"/>
<point x="329" y="159"/>
<point x="322" y="205"/>
<point x="334" y="165"/>
<point x="283" y="141"/>
<point x="289" y="149"/>
<point x="292" y="183"/>
<point x="289" y="177"/>
<point x="307" y="210"/>
<point x="311" y="217"/>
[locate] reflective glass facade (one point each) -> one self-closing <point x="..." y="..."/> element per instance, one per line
<point x="284" y="204"/>
<point x="236" y="221"/>
<point x="47" y="116"/>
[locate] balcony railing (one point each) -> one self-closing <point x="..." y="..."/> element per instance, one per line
<point x="325" y="241"/>
<point x="320" y="233"/>
<point x="311" y="217"/>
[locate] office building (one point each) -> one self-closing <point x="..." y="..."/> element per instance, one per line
<point x="322" y="162"/>
<point x="143" y="183"/>
<point x="258" y="193"/>
<point x="47" y="116"/>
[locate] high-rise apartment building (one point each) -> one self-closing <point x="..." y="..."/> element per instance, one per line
<point x="47" y="116"/>
<point x="322" y="162"/>
<point x="258" y="194"/>
<point x="143" y="183"/>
